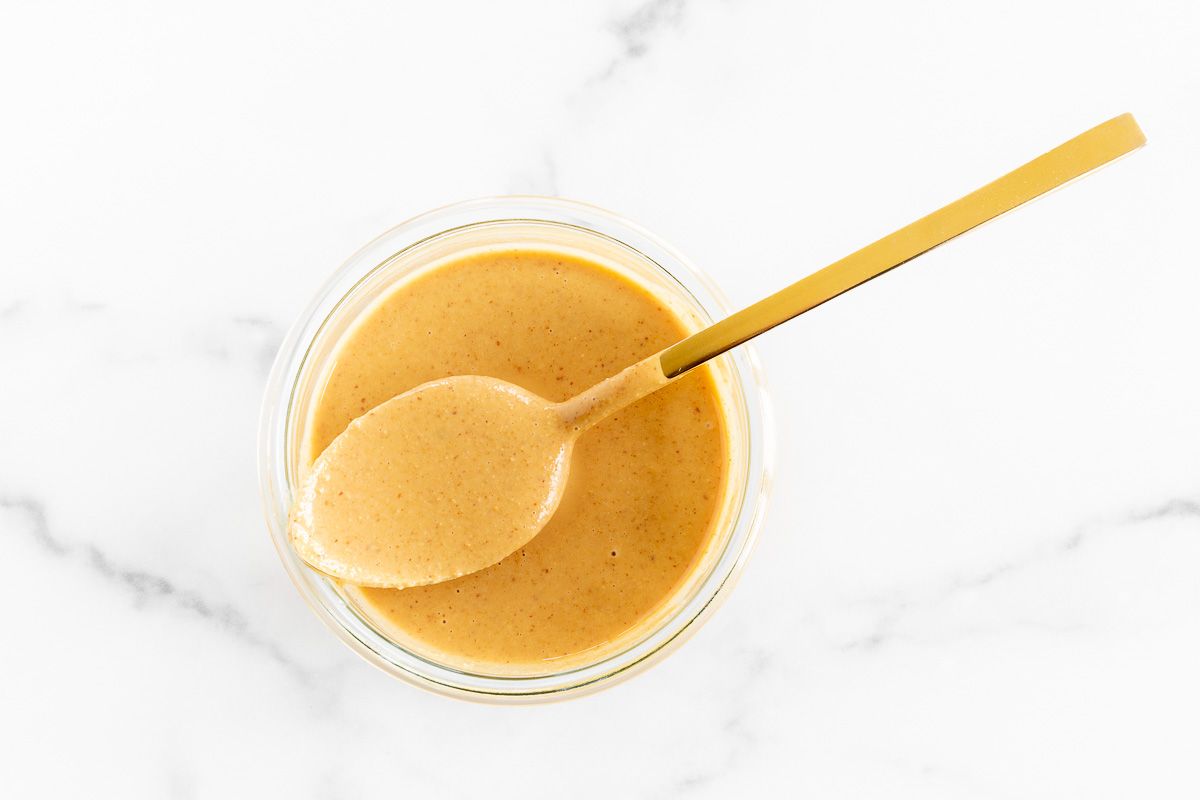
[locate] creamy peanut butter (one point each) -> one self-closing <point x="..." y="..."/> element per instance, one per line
<point x="645" y="484"/>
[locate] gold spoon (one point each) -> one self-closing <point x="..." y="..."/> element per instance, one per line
<point x="453" y="476"/>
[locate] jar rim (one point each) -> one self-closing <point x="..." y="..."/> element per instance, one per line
<point x="276" y="479"/>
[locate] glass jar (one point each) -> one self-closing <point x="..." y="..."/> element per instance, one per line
<point x="407" y="249"/>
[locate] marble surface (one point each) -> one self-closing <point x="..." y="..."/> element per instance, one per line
<point x="979" y="577"/>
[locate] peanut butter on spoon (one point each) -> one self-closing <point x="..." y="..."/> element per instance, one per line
<point x="454" y="475"/>
<point x="447" y="478"/>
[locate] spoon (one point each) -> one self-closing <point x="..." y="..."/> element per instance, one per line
<point x="454" y="475"/>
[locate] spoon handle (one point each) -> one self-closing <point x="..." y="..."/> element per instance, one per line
<point x="1061" y="165"/>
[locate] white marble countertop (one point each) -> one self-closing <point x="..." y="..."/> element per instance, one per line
<point x="980" y="576"/>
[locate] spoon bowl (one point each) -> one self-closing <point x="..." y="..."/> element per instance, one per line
<point x="457" y="473"/>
